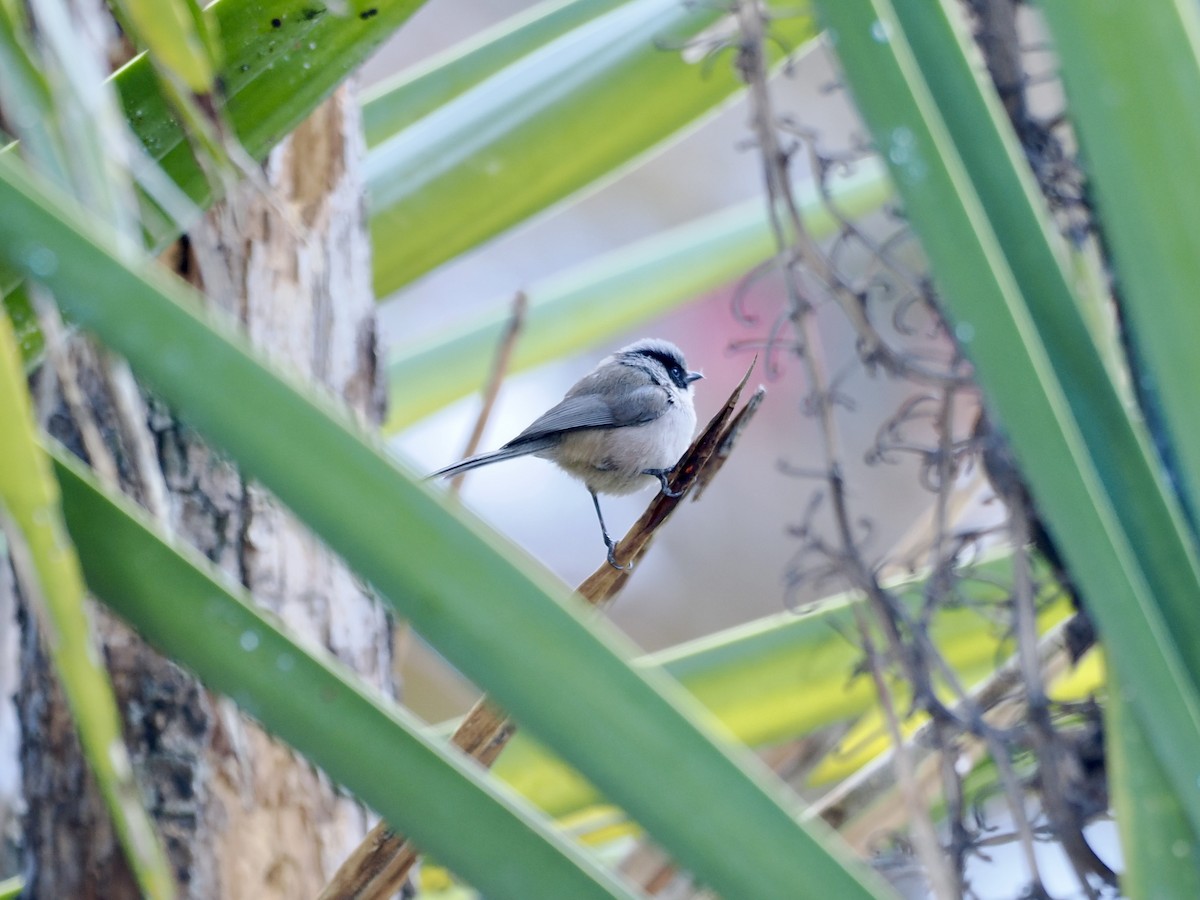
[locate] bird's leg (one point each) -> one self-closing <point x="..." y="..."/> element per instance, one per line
<point x="661" y="475"/>
<point x="608" y="542"/>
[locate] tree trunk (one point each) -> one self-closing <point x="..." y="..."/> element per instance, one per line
<point x="241" y="815"/>
<point x="10" y="677"/>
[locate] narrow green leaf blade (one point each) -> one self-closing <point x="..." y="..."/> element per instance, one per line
<point x="397" y="102"/>
<point x="24" y="323"/>
<point x="171" y="30"/>
<point x="774" y="679"/>
<point x="1132" y="74"/>
<point x="1160" y="851"/>
<point x="636" y="736"/>
<point x="373" y="748"/>
<point x="27" y="96"/>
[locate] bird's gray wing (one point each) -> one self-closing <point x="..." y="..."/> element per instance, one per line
<point x="637" y="407"/>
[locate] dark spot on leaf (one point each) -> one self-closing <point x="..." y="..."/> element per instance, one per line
<point x="368" y="13"/>
<point x="275" y="23"/>
<point x="311" y="13"/>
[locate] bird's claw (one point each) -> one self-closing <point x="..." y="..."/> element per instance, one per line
<point x="612" y="559"/>
<point x="661" y="475"/>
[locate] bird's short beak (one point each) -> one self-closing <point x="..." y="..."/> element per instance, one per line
<point x="693" y="376"/>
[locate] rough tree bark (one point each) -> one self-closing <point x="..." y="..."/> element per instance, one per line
<point x="242" y="816"/>
<point x="10" y="786"/>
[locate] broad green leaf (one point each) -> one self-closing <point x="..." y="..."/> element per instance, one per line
<point x="362" y="741"/>
<point x="610" y="294"/>
<point x="556" y="121"/>
<point x="1132" y="74"/>
<point x="637" y="736"/>
<point x="45" y="560"/>
<point x="996" y="262"/>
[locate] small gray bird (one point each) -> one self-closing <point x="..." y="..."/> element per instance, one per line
<point x="627" y="421"/>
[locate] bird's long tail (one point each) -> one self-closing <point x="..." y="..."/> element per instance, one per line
<point x="486" y="459"/>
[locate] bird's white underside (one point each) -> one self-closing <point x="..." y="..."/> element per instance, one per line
<point x="626" y="452"/>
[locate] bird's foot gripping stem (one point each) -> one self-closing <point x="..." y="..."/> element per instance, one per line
<point x="612" y="557"/>
<point x="661" y="475"/>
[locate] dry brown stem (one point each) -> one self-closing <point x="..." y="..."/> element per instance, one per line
<point x="916" y="800"/>
<point x="1002" y="706"/>
<point x="500" y="364"/>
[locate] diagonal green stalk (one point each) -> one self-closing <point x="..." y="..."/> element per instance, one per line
<point x="775" y="679"/>
<point x="48" y="568"/>
<point x="364" y="743"/>
<point x="261" y="71"/>
<point x="778" y="678"/>
<point x="637" y="736"/>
